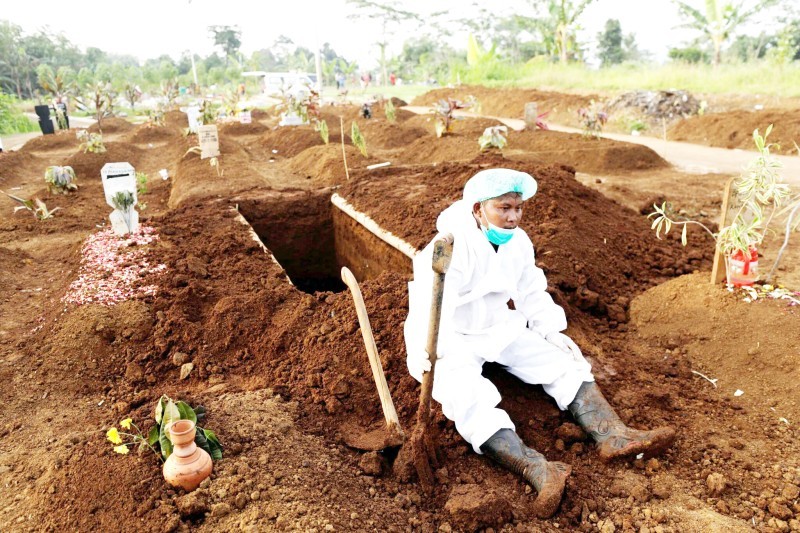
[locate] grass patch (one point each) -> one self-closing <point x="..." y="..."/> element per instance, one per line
<point x="12" y="118"/>
<point x="762" y="77"/>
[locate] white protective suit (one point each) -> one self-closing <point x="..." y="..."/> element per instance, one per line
<point x="477" y="326"/>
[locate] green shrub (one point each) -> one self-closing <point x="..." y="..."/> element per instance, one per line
<point x="12" y="120"/>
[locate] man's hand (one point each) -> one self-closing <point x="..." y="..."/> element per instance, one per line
<point x="565" y="344"/>
<point x="418" y="366"/>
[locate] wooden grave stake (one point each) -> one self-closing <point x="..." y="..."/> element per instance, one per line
<point x="718" y="274"/>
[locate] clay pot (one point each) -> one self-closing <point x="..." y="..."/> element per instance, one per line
<point x="188" y="465"/>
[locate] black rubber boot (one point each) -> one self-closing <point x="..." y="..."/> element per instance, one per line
<point x="548" y="478"/>
<point x="614" y="439"/>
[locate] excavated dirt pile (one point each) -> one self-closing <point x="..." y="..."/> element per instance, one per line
<point x="734" y="129"/>
<point x="510" y="102"/>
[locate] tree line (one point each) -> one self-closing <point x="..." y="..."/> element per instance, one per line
<point x="42" y="64"/>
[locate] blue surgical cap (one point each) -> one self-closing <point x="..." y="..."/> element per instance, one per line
<point x="494" y="182"/>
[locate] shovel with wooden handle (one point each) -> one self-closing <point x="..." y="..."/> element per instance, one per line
<point x="394" y="436"/>
<point x="421" y="448"/>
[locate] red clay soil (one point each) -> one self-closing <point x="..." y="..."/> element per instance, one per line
<point x="151" y="134"/>
<point x="510" y="102"/>
<point x="323" y="164"/>
<point x="71" y="372"/>
<point x="88" y="165"/>
<point x="586" y="154"/>
<point x="236" y="128"/>
<point x="734" y="129"/>
<point x="112" y="125"/>
<point x="59" y="140"/>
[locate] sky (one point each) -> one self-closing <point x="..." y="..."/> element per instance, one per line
<point x="150" y="28"/>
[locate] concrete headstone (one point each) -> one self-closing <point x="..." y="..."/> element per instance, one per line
<point x="121" y="178"/>
<point x="209" y="141"/>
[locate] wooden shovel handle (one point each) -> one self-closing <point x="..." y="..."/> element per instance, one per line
<point x="442" y="253"/>
<point x="387" y="405"/>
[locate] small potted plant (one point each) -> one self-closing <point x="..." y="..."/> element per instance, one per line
<point x="593" y="118"/>
<point x="60" y="180"/>
<point x="444" y="111"/>
<point x="760" y="198"/>
<point x="493" y="137"/>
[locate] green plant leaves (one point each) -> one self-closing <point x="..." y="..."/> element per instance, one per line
<point x="169" y="411"/>
<point x="207" y="440"/>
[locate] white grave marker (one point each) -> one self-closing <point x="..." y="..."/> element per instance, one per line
<point x="291" y="119"/>
<point x="193" y="114"/>
<point x="209" y="141"/>
<point x="245" y="117"/>
<point x="119" y="185"/>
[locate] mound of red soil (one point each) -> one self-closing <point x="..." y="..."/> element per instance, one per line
<point x="716" y="342"/>
<point x="324" y="164"/>
<point x="20" y="163"/>
<point x="260" y="114"/>
<point x="112" y="125"/>
<point x="151" y="134"/>
<point x="386" y="135"/>
<point x="176" y="120"/>
<point x="510" y="102"/>
<point x="597" y="253"/>
<point x="291" y="140"/>
<point x="236" y="128"/>
<point x="451" y="147"/>
<point x="586" y="154"/>
<point x="58" y="141"/>
<point x="734" y="129"/>
<point x="87" y="165"/>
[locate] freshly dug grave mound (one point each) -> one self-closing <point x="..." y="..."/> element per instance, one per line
<point x="451" y="147"/>
<point x="510" y="102"/>
<point x="471" y="126"/>
<point x="261" y="114"/>
<point x="586" y="154"/>
<point x="597" y="253"/>
<point x="347" y="112"/>
<point x="291" y="140"/>
<point x="324" y="164"/>
<point x="87" y="165"/>
<point x="749" y="346"/>
<point x="237" y="128"/>
<point x="21" y="164"/>
<point x="196" y="178"/>
<point x="151" y="134"/>
<point x="176" y="120"/>
<point x="112" y="125"/>
<point x="734" y="129"/>
<point x="57" y="141"/>
<point x="388" y="136"/>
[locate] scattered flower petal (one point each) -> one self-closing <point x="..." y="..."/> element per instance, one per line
<point x="113" y="435"/>
<point x="123" y="449"/>
<point x="113" y="269"/>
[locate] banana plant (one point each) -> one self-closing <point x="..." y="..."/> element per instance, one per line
<point x="37" y="207"/>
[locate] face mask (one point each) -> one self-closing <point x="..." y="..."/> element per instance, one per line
<point x="495" y="234"/>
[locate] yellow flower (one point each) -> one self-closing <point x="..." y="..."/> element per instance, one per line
<point x="123" y="449"/>
<point x="113" y="436"/>
<point x="126" y="424"/>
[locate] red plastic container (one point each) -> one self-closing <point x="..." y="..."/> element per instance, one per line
<point x="742" y="270"/>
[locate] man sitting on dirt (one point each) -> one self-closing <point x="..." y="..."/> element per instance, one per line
<point x="492" y="265"/>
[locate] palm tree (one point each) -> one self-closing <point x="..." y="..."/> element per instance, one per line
<point x="720" y="19"/>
